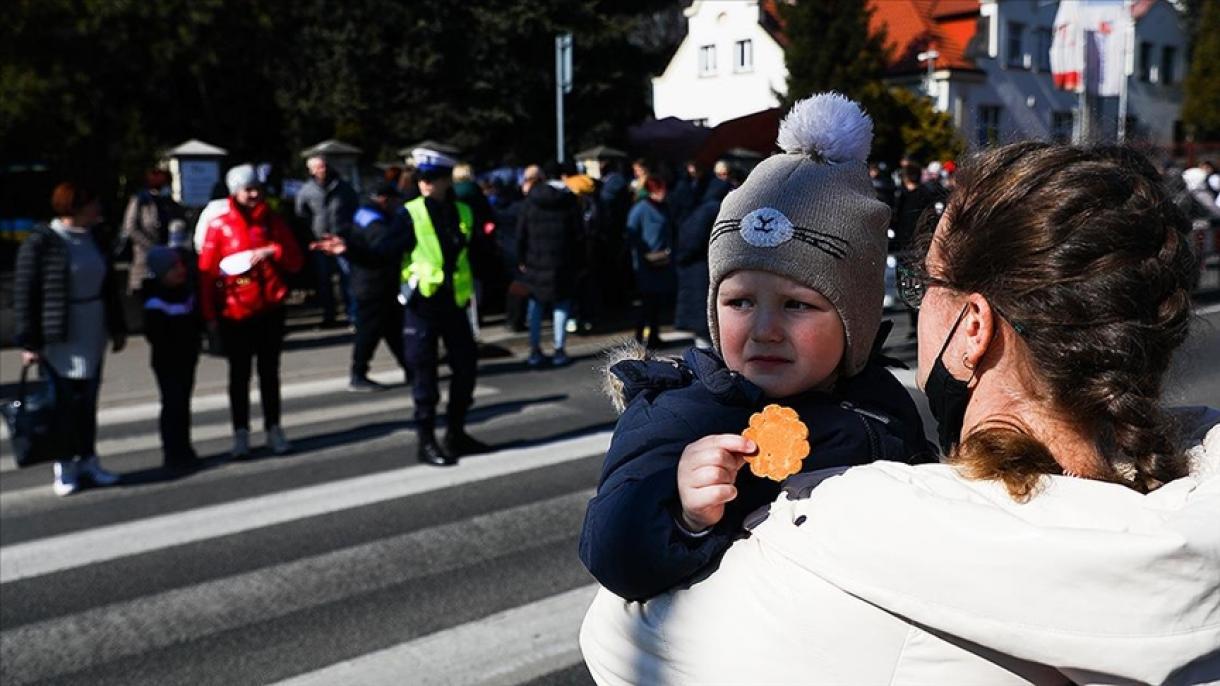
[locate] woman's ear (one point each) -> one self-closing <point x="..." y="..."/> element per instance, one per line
<point x="979" y="326"/>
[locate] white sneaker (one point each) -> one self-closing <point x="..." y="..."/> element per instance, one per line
<point x="278" y="442"/>
<point x="65" y="478"/>
<point x="241" y="444"/>
<point x="91" y="468"/>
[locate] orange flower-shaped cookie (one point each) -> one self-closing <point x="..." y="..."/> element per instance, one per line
<point x="781" y="438"/>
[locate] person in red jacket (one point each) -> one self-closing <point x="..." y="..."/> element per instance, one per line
<point x="246" y="251"/>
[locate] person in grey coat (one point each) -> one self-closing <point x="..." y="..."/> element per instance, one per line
<point x="328" y="203"/>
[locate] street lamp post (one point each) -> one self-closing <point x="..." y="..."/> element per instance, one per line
<point x="563" y="84"/>
<point x="929" y="56"/>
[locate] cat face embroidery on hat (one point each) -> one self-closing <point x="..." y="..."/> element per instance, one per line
<point x="767" y="227"/>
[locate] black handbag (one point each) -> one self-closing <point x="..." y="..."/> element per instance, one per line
<point x="36" y="421"/>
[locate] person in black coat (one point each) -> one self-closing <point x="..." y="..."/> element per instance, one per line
<point x="549" y="247"/>
<point x="66" y="305"/>
<point x="173" y="327"/>
<point x="690" y="314"/>
<point x="375" y="283"/>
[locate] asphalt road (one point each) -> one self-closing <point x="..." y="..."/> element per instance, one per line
<point x="345" y="562"/>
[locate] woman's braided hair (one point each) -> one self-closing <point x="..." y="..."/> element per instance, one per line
<point x="1083" y="251"/>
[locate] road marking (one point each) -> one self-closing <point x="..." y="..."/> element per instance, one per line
<point x="44" y="649"/>
<point x="78" y="549"/>
<point x="509" y="647"/>
<point x="1207" y="309"/>
<point x="386" y="401"/>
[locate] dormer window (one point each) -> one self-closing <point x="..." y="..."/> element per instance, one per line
<point x="707" y="60"/>
<point x="743" y="55"/>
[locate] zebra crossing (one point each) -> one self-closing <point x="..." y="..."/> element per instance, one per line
<point x="345" y="563"/>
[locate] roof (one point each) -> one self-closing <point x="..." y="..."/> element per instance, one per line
<point x="195" y="147"/>
<point x="442" y="148"/>
<point x="913" y="26"/>
<point x="331" y="147"/>
<point x="599" y="152"/>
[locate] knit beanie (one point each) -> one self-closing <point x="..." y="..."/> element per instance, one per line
<point x="161" y="259"/>
<point x="241" y="176"/>
<point x="810" y="214"/>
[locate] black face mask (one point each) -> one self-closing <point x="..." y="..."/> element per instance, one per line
<point x="947" y="396"/>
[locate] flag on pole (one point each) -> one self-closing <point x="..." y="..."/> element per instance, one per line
<point x="1091" y="32"/>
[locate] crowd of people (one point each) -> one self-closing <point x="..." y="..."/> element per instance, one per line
<point x="408" y="265"/>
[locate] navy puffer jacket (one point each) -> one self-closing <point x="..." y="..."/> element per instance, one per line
<point x="631" y="542"/>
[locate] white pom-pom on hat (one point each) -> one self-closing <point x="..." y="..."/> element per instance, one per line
<point x="827" y="125"/>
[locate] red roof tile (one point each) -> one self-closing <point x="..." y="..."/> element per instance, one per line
<point x="913" y="26"/>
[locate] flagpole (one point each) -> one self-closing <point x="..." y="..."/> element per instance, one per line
<point x="1128" y="52"/>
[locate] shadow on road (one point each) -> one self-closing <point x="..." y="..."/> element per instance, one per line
<point x="354" y="435"/>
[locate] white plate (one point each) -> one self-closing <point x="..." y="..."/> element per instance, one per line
<point x="237" y="263"/>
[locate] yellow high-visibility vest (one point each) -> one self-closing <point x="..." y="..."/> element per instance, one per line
<point x="426" y="263"/>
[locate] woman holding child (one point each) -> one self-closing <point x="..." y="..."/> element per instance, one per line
<point x="1068" y="537"/>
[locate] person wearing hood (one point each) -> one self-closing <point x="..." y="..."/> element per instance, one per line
<point x="173" y="325"/>
<point x="690" y="255"/>
<point x="1070" y="534"/>
<point x="549" y="255"/>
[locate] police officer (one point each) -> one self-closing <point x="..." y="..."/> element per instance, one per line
<point x="437" y="285"/>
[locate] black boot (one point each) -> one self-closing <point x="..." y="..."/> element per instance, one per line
<point x="430" y="451"/>
<point x="459" y="443"/>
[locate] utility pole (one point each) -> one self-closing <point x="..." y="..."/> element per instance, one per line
<point x="563" y="84"/>
<point x="1128" y="69"/>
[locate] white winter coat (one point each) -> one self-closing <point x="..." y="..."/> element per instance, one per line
<point x="893" y="574"/>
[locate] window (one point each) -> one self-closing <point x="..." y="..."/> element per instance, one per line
<point x="743" y="55"/>
<point x="1145" y="62"/>
<point x="1015" y="53"/>
<point x="1061" y="126"/>
<point x="699" y="122"/>
<point x="1169" y="56"/>
<point x="988" y="125"/>
<point x="1043" y="58"/>
<point x="707" y="60"/>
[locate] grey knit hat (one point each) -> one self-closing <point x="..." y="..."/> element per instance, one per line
<point x="810" y="214"/>
<point x="241" y="176"/>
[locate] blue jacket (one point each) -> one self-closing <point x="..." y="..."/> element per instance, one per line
<point x="631" y="542"/>
<point x="649" y="230"/>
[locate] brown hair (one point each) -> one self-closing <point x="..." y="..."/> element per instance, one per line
<point x="1086" y="256"/>
<point x="69" y="197"/>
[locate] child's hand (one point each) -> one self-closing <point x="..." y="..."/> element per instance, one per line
<point x="706" y="472"/>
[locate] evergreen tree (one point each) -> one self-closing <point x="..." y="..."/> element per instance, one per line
<point x="1200" y="112"/>
<point x="830" y="48"/>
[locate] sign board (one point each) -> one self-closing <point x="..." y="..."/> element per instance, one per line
<point x="194" y="181"/>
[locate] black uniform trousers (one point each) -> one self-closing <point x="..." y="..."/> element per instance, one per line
<point x="175" y="371"/>
<point x="377" y="319"/>
<point x="425" y="320"/>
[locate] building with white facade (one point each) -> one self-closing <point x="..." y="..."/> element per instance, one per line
<point x="991" y="74"/>
<point x="730" y="64"/>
